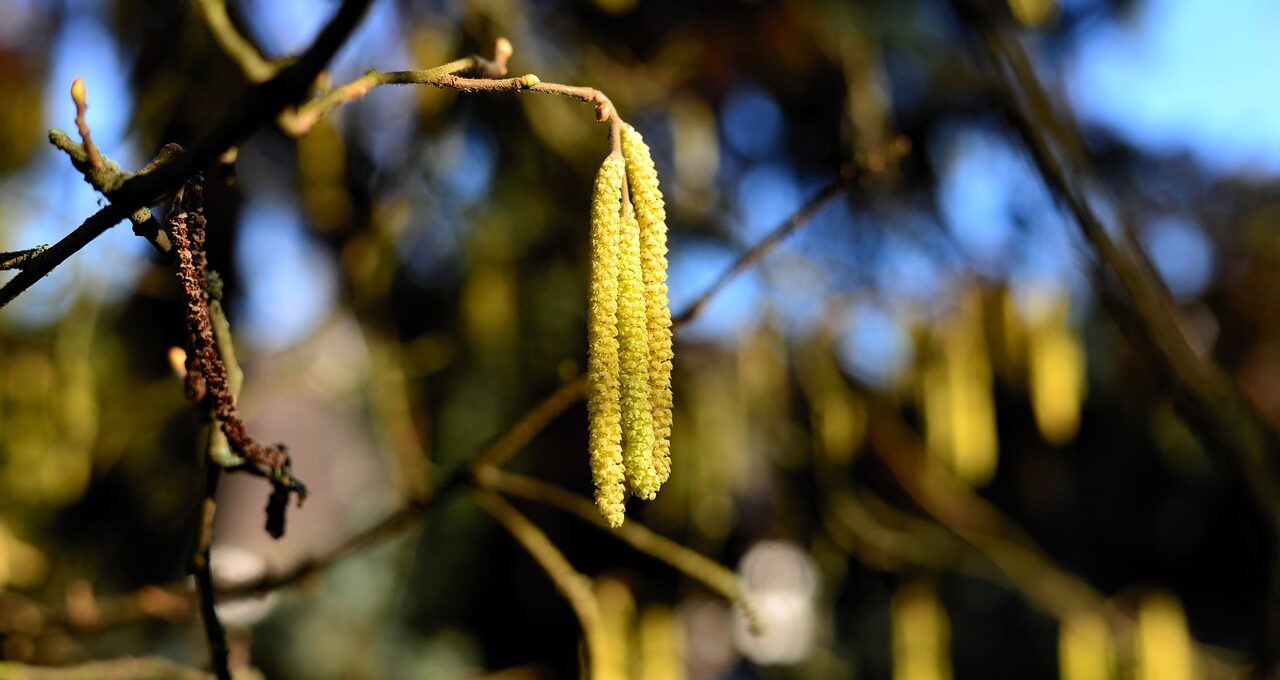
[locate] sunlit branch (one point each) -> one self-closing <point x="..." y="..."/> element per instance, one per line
<point x="507" y="444"/>
<point x="133" y="668"/>
<point x="87" y="613"/>
<point x="92" y="156"/>
<point x="757" y="252"/>
<point x="300" y="121"/>
<point x="696" y="566"/>
<point x="499" y="449"/>
<point x="255" y="67"/>
<point x="575" y="587"/>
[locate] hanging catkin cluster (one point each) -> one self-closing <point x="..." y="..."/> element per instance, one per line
<point x="628" y="331"/>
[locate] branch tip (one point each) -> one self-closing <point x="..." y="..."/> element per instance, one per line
<point x="78" y="93"/>
<point x="79" y="97"/>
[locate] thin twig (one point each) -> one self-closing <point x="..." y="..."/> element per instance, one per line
<point x="696" y="566"/>
<point x="251" y="62"/>
<point x="514" y="438"/>
<point x="92" y="156"/>
<point x="129" y="668"/>
<point x="108" y="177"/>
<point x="200" y="568"/>
<point x="575" y="587"/>
<point x="21" y="615"/>
<point x="500" y="448"/>
<point x="446" y="77"/>
<point x="299" y="122"/>
<point x="38" y="267"/>
<point x="757" y="252"/>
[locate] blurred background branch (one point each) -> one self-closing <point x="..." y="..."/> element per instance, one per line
<point x="140" y="668"/>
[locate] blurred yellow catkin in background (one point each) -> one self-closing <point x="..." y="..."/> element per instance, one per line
<point x="838" y="414"/>
<point x="21" y="564"/>
<point x="1055" y="367"/>
<point x="618" y="614"/>
<point x="489" y="303"/>
<point x="1033" y="13"/>
<point x="322" y="172"/>
<point x="1085" y="647"/>
<point x="661" y="648"/>
<point x="921" y="634"/>
<point x="1163" y="642"/>
<point x="695" y="155"/>
<point x="956" y="395"/>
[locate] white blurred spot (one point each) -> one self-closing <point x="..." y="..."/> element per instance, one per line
<point x="783" y="583"/>
<point x="231" y="566"/>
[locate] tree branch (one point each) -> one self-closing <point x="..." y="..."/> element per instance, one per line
<point x="299" y="122"/>
<point x="129" y="668"/>
<point x="791" y="225"/>
<point x="715" y="576"/>
<point x="18" y="259"/>
<point x="261" y="104"/>
<point x="251" y="62"/>
<point x="92" y="157"/>
<point x="446" y="76"/>
<point x="215" y="633"/>
<point x="575" y="587"/>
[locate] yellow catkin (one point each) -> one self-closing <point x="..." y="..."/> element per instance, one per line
<point x="1164" y="649"/>
<point x="646" y="196"/>
<point x="1086" y="650"/>
<point x="921" y="634"/>
<point x="661" y="650"/>
<point x="604" y="394"/>
<point x="633" y="348"/>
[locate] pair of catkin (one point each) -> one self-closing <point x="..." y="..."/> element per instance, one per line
<point x="629" y="349"/>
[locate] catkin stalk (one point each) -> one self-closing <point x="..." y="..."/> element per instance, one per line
<point x="646" y="197"/>
<point x="604" y="395"/>
<point x="633" y="340"/>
